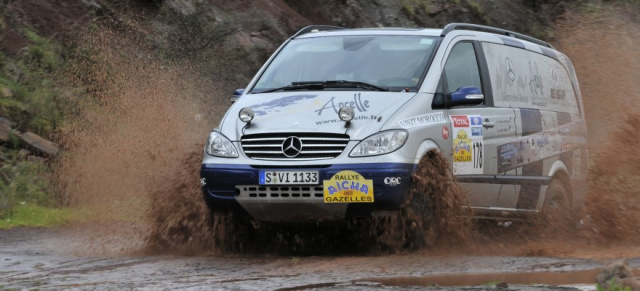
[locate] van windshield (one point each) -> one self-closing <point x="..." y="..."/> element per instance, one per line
<point x="359" y="62"/>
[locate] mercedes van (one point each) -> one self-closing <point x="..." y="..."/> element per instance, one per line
<point x="335" y="123"/>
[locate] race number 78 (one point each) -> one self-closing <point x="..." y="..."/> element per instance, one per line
<point x="477" y="155"/>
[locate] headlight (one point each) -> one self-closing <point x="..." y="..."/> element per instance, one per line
<point x="346" y="113"/>
<point x="220" y="146"/>
<point x="380" y="143"/>
<point x="246" y="114"/>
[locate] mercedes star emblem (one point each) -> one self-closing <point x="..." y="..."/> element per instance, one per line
<point x="510" y="71"/>
<point x="291" y="147"/>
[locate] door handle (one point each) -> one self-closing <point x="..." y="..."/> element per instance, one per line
<point x="488" y="124"/>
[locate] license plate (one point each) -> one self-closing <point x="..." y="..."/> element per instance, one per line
<point x="289" y="178"/>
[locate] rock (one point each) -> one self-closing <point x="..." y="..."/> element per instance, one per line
<point x="92" y="4"/>
<point x="6" y="92"/>
<point x="617" y="274"/>
<point x="502" y="285"/>
<point x="433" y="9"/>
<point x="5" y="129"/>
<point x="23" y="154"/>
<point x="261" y="43"/>
<point x="186" y="7"/>
<point x="39" y="143"/>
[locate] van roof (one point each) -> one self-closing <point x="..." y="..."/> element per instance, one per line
<point x="317" y="30"/>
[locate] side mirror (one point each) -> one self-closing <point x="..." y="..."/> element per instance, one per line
<point x="467" y="96"/>
<point x="236" y="95"/>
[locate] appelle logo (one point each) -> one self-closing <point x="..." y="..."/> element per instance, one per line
<point x="460" y="121"/>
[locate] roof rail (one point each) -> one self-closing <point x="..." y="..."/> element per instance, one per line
<point x="466" y="26"/>
<point x="311" y="28"/>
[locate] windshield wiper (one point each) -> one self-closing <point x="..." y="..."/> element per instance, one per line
<point x="309" y="85"/>
<point x="321" y="85"/>
<point x="353" y="84"/>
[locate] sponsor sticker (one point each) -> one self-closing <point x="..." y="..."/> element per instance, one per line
<point x="357" y="103"/>
<point x="348" y="187"/>
<point x="445" y="132"/>
<point x="392" y="181"/>
<point x="475" y="120"/>
<point x="460" y="121"/>
<point x="462" y="147"/>
<point x="468" y="146"/>
<point x="421" y="120"/>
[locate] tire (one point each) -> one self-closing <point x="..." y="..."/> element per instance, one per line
<point x="436" y="208"/>
<point x="432" y="214"/>
<point x="556" y="210"/>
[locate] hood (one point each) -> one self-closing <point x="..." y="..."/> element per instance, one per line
<point x="314" y="111"/>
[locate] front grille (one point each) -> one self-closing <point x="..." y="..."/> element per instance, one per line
<point x="313" y="146"/>
<point x="255" y="191"/>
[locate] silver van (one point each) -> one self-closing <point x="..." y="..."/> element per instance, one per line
<point x="335" y="123"/>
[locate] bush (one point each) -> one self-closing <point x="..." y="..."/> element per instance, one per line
<point x="22" y="182"/>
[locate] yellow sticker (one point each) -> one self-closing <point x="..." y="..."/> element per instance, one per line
<point x="348" y="187"/>
<point x="462" y="147"/>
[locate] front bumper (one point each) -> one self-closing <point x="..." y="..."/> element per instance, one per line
<point x="235" y="188"/>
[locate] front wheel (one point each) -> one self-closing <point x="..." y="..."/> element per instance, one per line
<point x="433" y="213"/>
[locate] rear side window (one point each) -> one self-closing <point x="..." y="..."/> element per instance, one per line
<point x="525" y="79"/>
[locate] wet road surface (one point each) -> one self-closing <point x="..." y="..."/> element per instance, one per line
<point x="56" y="259"/>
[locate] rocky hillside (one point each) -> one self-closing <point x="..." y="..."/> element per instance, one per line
<point x="47" y="33"/>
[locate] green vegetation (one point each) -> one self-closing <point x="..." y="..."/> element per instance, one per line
<point x="34" y="98"/>
<point x="614" y="286"/>
<point x="25" y="198"/>
<point x="37" y="216"/>
<point x="22" y="182"/>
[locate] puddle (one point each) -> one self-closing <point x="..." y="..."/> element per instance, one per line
<point x="476" y="279"/>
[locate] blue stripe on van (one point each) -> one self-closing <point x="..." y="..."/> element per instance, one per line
<point x="511" y="42"/>
<point x="531" y="121"/>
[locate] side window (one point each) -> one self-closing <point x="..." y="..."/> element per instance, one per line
<point x="461" y="68"/>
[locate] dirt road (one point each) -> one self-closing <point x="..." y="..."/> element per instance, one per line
<point x="63" y="259"/>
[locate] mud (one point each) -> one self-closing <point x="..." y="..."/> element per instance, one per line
<point x="37" y="258"/>
<point x="474" y="279"/>
<point x="433" y="216"/>
<point x="445" y="203"/>
<point x="181" y="222"/>
<point x="144" y="117"/>
<point x="603" y="48"/>
<point x="179" y="218"/>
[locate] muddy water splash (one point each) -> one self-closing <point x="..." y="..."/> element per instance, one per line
<point x="435" y="214"/>
<point x="445" y="200"/>
<point x="603" y="48"/>
<point x="144" y="116"/>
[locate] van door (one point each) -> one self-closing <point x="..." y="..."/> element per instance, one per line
<point x="476" y="131"/>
